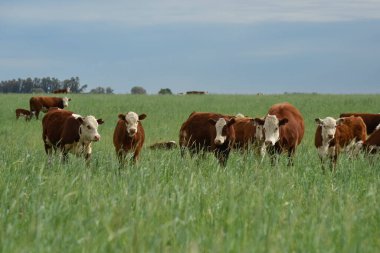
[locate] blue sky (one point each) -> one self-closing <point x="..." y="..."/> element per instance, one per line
<point x="239" y="47"/>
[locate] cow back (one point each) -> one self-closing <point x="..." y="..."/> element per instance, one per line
<point x="371" y="120"/>
<point x="53" y="124"/>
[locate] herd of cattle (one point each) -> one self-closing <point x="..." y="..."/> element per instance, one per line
<point x="280" y="131"/>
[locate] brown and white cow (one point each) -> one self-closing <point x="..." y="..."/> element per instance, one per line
<point x="204" y="131"/>
<point x="23" y="113"/>
<point x="283" y="129"/>
<point x="69" y="132"/>
<point x="371" y="120"/>
<point x="335" y="135"/>
<point x="248" y="134"/>
<point x="38" y="104"/>
<point x="129" y="136"/>
<point x="65" y="90"/>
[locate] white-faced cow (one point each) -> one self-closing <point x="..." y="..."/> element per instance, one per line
<point x="38" y="104"/>
<point x="69" y="132"/>
<point x="204" y="131"/>
<point x="335" y="135"/>
<point x="371" y="120"/>
<point x="129" y="136"/>
<point x="23" y="113"/>
<point x="283" y="129"/>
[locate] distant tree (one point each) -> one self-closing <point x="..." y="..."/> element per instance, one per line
<point x="138" y="90"/>
<point x="165" y="91"/>
<point x="109" y="90"/>
<point x="98" y="90"/>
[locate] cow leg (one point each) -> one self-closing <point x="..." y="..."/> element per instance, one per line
<point x="37" y="112"/>
<point x="291" y="152"/>
<point x="135" y="156"/>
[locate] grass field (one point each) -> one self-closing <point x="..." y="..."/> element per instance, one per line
<point x="169" y="204"/>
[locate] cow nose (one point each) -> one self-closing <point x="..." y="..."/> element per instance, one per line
<point x="217" y="141"/>
<point x="97" y="138"/>
<point x="132" y="131"/>
<point x="330" y="136"/>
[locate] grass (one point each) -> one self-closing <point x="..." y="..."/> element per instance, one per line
<point x="166" y="204"/>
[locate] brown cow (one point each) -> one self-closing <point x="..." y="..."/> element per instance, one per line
<point x="164" y="145"/>
<point x="38" y="104"/>
<point x="248" y="134"/>
<point x="65" y="90"/>
<point x="372" y="144"/>
<point x="371" y="120"/>
<point x="333" y="136"/>
<point x="129" y="136"/>
<point x="23" y="113"/>
<point x="212" y="132"/>
<point x="69" y="132"/>
<point x="283" y="130"/>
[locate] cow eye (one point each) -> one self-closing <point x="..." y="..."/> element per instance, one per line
<point x="88" y="127"/>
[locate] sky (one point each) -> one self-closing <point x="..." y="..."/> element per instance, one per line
<point x="219" y="46"/>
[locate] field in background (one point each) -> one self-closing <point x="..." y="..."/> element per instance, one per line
<point x="166" y="204"/>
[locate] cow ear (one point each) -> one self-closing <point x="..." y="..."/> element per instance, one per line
<point x="121" y="116"/>
<point x="100" y="121"/>
<point x="142" y="116"/>
<point x="339" y="121"/>
<point x="80" y="120"/>
<point x="231" y="122"/>
<point x="212" y="121"/>
<point x="283" y="122"/>
<point x="258" y="121"/>
<point x="318" y="121"/>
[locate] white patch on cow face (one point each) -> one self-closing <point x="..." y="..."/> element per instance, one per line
<point x="89" y="129"/>
<point x="65" y="102"/>
<point x="271" y="129"/>
<point x="328" y="126"/>
<point x="219" y="125"/>
<point x="131" y="122"/>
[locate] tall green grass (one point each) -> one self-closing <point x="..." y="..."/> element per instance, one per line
<point x="169" y="204"/>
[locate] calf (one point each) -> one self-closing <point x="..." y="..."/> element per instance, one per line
<point x="43" y="103"/>
<point x="212" y="132"/>
<point x="371" y="120"/>
<point x="283" y="129"/>
<point x="333" y="136"/>
<point x="23" y="113"/>
<point x="129" y="136"/>
<point x="69" y="132"/>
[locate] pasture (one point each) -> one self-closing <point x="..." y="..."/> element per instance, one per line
<point x="169" y="204"/>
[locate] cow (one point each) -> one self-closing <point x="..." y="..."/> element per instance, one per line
<point x="283" y="129"/>
<point x="24" y="113"/>
<point x="371" y="120"/>
<point x="212" y="132"/>
<point x="333" y="136"/>
<point x="194" y="92"/>
<point x="129" y="136"/>
<point x="164" y="145"/>
<point x="43" y="103"/>
<point x="69" y="132"/>
<point x="372" y="144"/>
<point x="65" y="90"/>
<point x="248" y="134"/>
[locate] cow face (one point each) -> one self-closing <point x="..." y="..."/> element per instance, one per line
<point x="328" y="126"/>
<point x="271" y="128"/>
<point x="222" y="127"/>
<point x="88" y="130"/>
<point x="65" y="101"/>
<point x="131" y="120"/>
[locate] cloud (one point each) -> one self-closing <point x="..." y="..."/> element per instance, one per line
<point x="150" y="12"/>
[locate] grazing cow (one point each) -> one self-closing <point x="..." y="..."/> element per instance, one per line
<point x="38" y="104"/>
<point x="69" y="132"/>
<point x="248" y="134"/>
<point x="65" y="90"/>
<point x="23" y="113"/>
<point x="283" y="128"/>
<point x="333" y="136"/>
<point x="164" y="145"/>
<point x="371" y="120"/>
<point x="129" y="136"/>
<point x="212" y="132"/>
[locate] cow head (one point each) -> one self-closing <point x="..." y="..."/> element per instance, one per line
<point x="328" y="126"/>
<point x="271" y="128"/>
<point x="131" y="120"/>
<point x="222" y="127"/>
<point x="65" y="101"/>
<point x="88" y="130"/>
